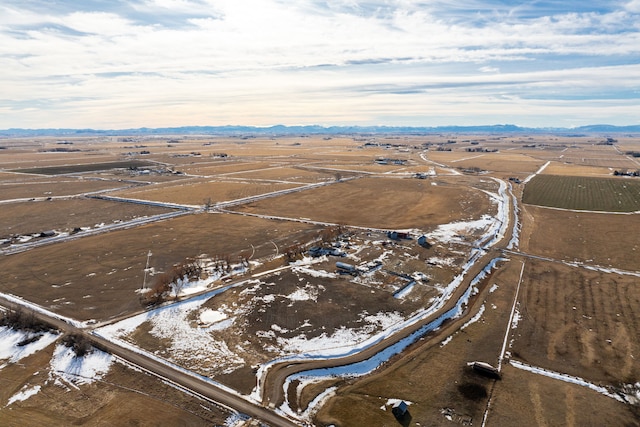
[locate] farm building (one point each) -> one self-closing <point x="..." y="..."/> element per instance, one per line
<point x="398" y="235"/>
<point x="486" y="370"/>
<point x="317" y="251"/>
<point x="422" y="241"/>
<point x="343" y="268"/>
<point x="400" y="409"/>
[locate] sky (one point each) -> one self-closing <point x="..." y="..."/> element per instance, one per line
<point x="114" y="64"/>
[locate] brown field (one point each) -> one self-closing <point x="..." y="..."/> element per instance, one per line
<point x="69" y="214"/>
<point x="22" y="160"/>
<point x="575" y="317"/>
<point x="289" y="174"/>
<point x="565" y="169"/>
<point x="381" y="203"/>
<point x="582" y="236"/>
<point x="609" y="162"/>
<point x="86" y="167"/>
<point x="199" y="191"/>
<point x="598" y="156"/>
<point x="223" y="167"/>
<point x="527" y="399"/>
<point x="55" y="187"/>
<point x="579" y="322"/>
<point x="10" y="176"/>
<point x="497" y="162"/>
<point x="124" y="397"/>
<point x="155" y="175"/>
<point x="96" y="278"/>
<point x="368" y="166"/>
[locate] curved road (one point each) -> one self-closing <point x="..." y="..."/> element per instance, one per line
<point x="271" y="388"/>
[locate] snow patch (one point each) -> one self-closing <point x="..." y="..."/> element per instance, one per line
<point x="303" y="294"/>
<point x="567" y="378"/>
<point x="79" y="370"/>
<point x="516" y="318"/>
<point x="10" y="339"/>
<point x="209" y="316"/>
<point x="24" y="394"/>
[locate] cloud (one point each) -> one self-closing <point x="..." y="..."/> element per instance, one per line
<point x="340" y="60"/>
<point x="633" y="6"/>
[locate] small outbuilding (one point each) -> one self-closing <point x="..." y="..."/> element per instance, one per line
<point x="422" y="241"/>
<point x="398" y="235"/>
<point x="485" y="369"/>
<point x="399" y="409"/>
<point x="343" y="268"/>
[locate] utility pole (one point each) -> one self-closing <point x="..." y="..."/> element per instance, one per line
<point x="146" y="270"/>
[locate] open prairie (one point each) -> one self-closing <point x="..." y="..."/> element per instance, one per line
<point x="328" y="277"/>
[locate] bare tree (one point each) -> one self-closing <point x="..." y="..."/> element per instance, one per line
<point x="79" y="343"/>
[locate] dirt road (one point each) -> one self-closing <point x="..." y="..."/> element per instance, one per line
<point x="272" y="385"/>
<point x="166" y="371"/>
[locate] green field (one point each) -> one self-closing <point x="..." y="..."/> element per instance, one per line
<point x="584" y="193"/>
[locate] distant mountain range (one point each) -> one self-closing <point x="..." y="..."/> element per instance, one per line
<point x="322" y="130"/>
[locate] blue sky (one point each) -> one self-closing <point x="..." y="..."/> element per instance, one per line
<point x="116" y="64"/>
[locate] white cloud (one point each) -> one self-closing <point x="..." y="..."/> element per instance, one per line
<point x="633" y="6"/>
<point x="265" y="62"/>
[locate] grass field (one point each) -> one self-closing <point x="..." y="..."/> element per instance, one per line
<point x="200" y="191"/>
<point x="69" y="214"/>
<point x="380" y="203"/>
<point x="90" y="167"/>
<point x="53" y="187"/>
<point x="609" y="240"/>
<point x="584" y="193"/>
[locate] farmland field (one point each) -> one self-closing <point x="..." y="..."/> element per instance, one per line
<point x="582" y="236"/>
<point x="89" y="167"/>
<point x="382" y="203"/>
<point x="67" y="215"/>
<point x="322" y="285"/>
<point x="584" y="193"/>
<point x="592" y="338"/>
<point x="55" y="187"/>
<point x="201" y="191"/>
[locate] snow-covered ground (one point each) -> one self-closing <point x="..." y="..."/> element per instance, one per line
<point x="369" y="365"/>
<point x="12" y="349"/>
<point x="75" y="370"/>
<point x="65" y="368"/>
<point x="26" y="392"/>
